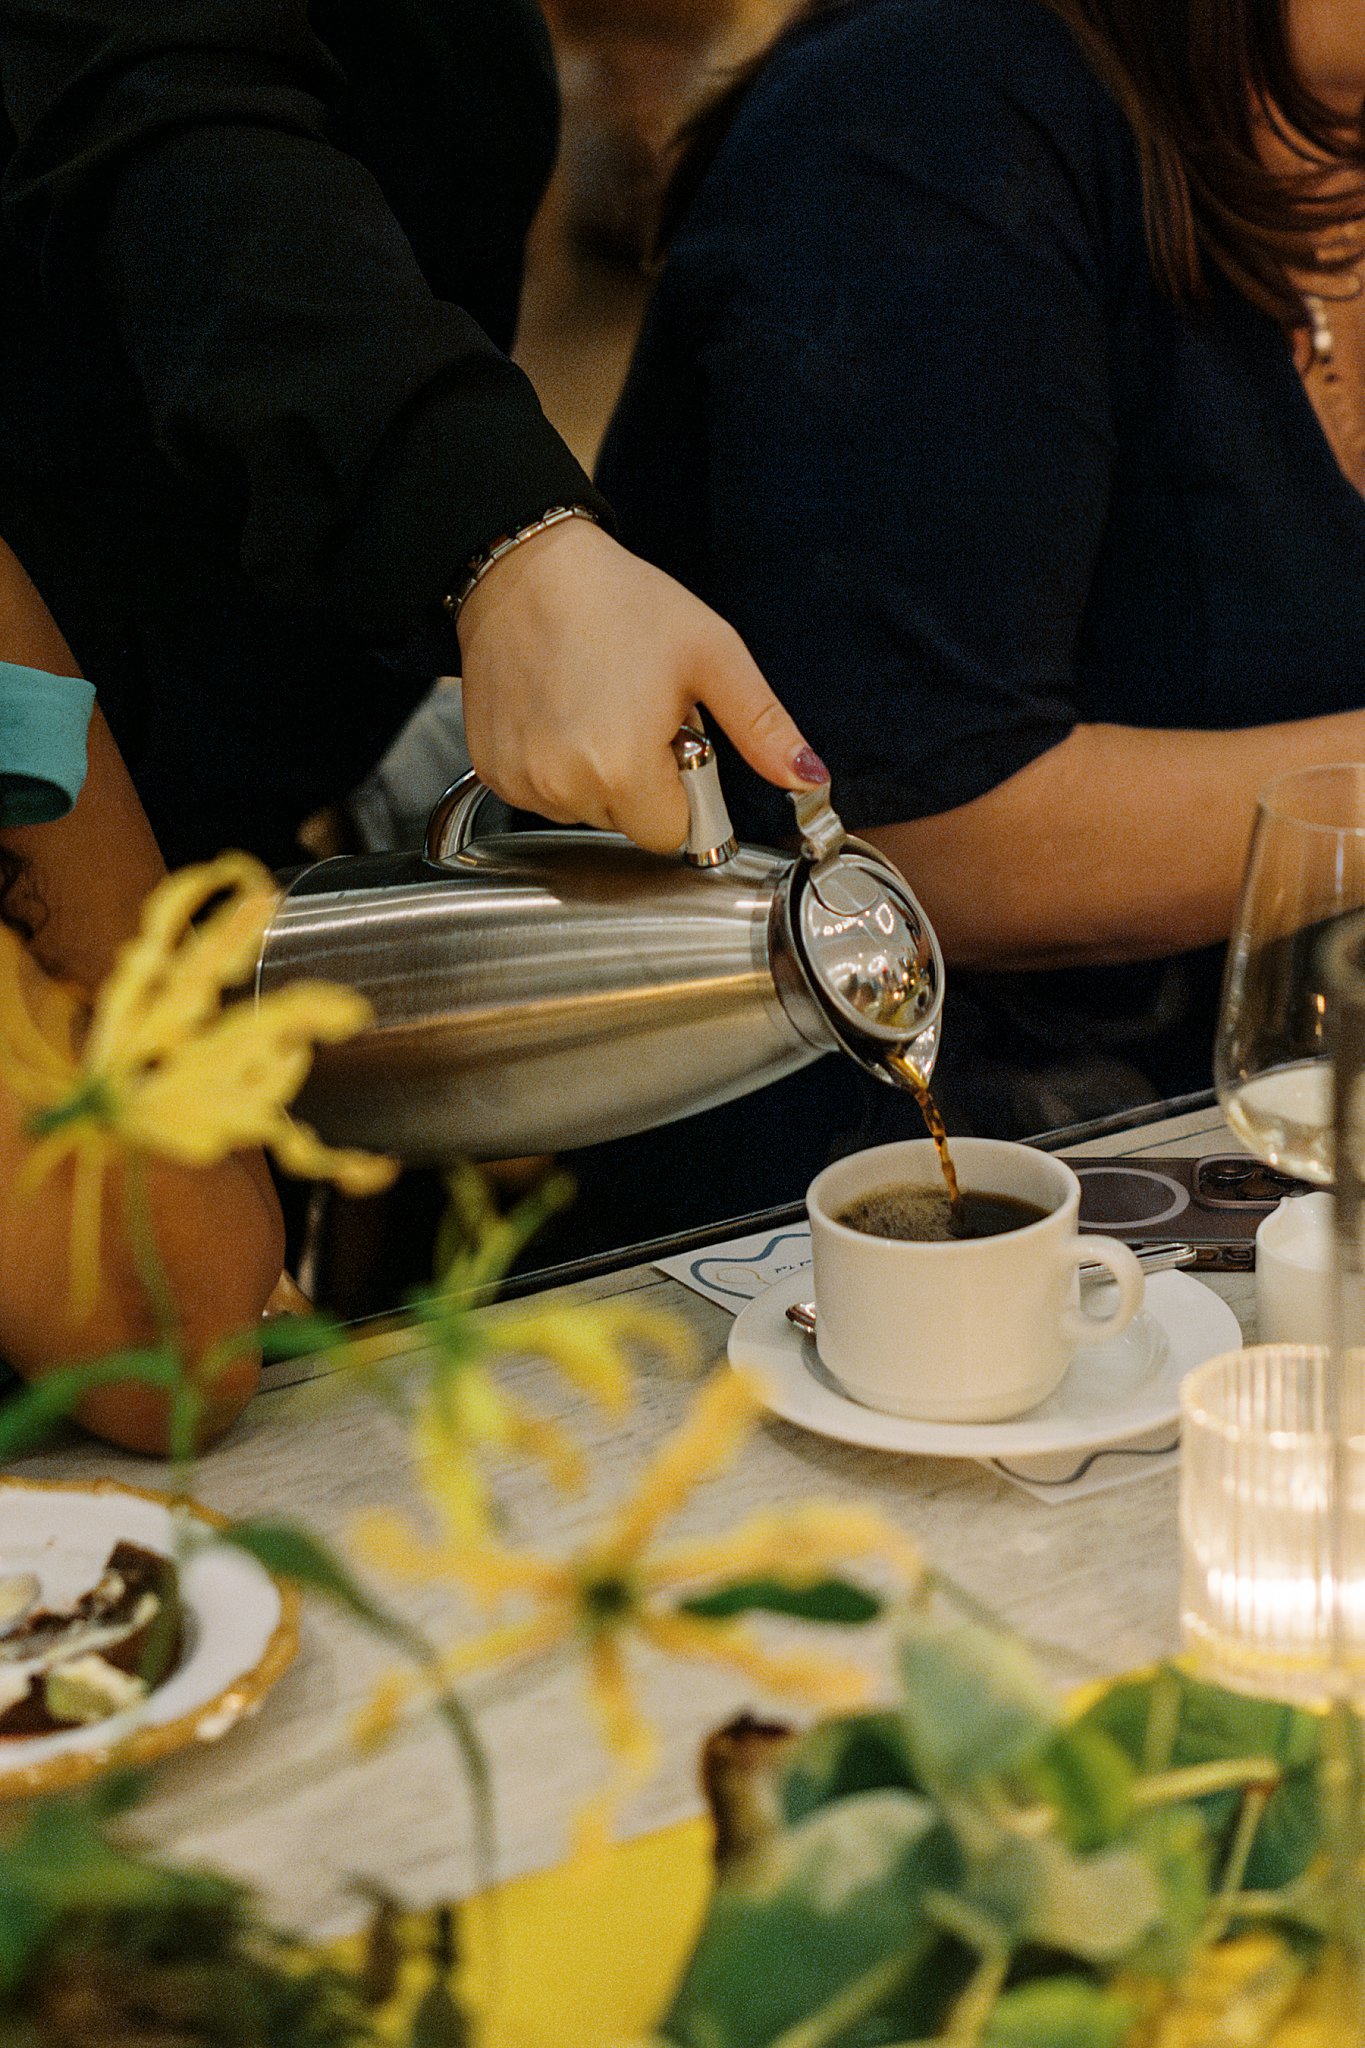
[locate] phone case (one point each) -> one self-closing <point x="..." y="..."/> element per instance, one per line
<point x="1215" y="1203"/>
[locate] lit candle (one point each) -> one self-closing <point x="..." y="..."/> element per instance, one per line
<point x="1257" y="1588"/>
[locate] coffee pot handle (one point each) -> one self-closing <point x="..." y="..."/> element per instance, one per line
<point x="710" y="840"/>
<point x="451" y="824"/>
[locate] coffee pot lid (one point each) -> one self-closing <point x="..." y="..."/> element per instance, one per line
<point x="871" y="953"/>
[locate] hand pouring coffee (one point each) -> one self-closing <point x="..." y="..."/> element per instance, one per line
<point x="534" y="991"/>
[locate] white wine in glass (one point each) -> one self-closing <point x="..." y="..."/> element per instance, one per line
<point x="1305" y="873"/>
<point x="1284" y="1116"/>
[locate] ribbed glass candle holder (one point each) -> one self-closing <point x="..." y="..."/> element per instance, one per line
<point x="1256" y="1489"/>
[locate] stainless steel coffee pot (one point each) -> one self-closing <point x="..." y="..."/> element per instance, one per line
<point x="534" y="991"/>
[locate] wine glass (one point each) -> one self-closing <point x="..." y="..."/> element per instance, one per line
<point x="1271" y="1060"/>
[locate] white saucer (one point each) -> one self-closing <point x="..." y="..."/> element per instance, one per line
<point x="1112" y="1391"/>
<point x="241" y="1627"/>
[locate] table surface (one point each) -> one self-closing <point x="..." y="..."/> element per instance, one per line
<point x="284" y="1801"/>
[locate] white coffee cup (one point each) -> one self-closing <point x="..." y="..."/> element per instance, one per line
<point x="967" y="1330"/>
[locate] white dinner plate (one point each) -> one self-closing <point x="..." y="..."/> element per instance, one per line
<point x="1111" y="1391"/>
<point x="240" y="1625"/>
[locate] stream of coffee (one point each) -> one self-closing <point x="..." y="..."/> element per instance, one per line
<point x="933" y="1123"/>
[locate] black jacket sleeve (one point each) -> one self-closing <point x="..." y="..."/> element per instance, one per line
<point x="173" y="173"/>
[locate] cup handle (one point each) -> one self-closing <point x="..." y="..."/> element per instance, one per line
<point x="1077" y="1323"/>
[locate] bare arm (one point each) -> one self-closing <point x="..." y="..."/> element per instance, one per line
<point x="1119" y="844"/>
<point x="219" y="1231"/>
<point x="88" y="873"/>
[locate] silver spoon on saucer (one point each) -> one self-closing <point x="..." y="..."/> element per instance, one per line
<point x="1153" y="1258"/>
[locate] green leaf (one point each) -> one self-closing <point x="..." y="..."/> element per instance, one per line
<point x="814" y="1912"/>
<point x="857" y="1753"/>
<point x="975" y="1705"/>
<point x="28" y="1419"/>
<point x="1086" y="1779"/>
<point x="1038" y="1891"/>
<point x="832" y="1600"/>
<point x="99" y="1941"/>
<point x="1060" y="2012"/>
<point x="162" y="1646"/>
<point x="115" y="1794"/>
<point x="285" y="1337"/>
<point x="60" y="1864"/>
<point x="1175" y="1843"/>
<point x="1123" y="1709"/>
<point x="1215" y="1725"/>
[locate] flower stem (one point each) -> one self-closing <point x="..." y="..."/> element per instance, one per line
<point x="1225" y="1905"/>
<point x="1197" y="1781"/>
<point x="186" y="1401"/>
<point x="972" y="2013"/>
<point x="1163" y="1721"/>
<point x="1343" y="1803"/>
<point x="146" y="1252"/>
<point x="856" y="2000"/>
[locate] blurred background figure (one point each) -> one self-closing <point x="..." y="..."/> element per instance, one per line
<point x="630" y="72"/>
<point x="1004" y="385"/>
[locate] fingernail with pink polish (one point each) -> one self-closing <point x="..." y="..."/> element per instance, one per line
<point x="808" y="765"/>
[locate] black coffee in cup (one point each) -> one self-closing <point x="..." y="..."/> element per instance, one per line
<point x="921" y="1215"/>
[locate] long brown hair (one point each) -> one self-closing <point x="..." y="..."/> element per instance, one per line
<point x="1201" y="82"/>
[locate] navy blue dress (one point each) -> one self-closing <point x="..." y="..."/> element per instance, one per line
<point x="912" y="411"/>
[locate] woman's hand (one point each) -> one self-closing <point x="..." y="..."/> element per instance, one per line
<point x="580" y="663"/>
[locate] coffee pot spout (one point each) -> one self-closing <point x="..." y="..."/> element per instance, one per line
<point x="871" y="956"/>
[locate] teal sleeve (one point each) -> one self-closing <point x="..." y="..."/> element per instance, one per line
<point x="43" y="724"/>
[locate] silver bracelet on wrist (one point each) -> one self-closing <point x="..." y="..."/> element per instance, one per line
<point x="478" y="567"/>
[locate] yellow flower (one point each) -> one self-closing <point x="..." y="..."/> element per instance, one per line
<point x="465" y="1412"/>
<point x="1258" y="1989"/>
<point x="377" y="1720"/>
<point x="164" y="1069"/>
<point x="588" y="1342"/>
<point x="619" y="1586"/>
